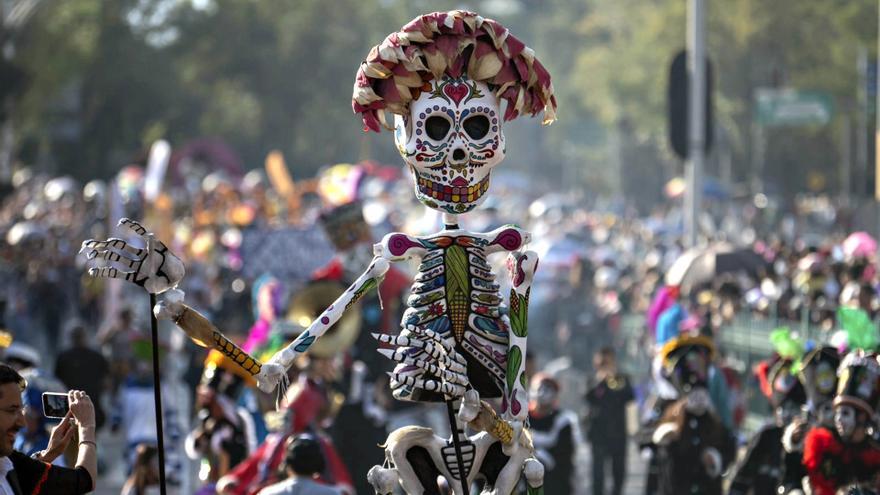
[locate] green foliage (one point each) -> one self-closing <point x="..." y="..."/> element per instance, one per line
<point x="108" y="78"/>
<point x="752" y="43"/>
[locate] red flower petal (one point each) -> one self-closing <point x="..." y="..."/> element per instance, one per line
<point x="371" y="122"/>
<point x="456" y="68"/>
<point x="543" y="75"/>
<point x="521" y="69"/>
<point x="447" y="44"/>
<point x="514" y="46"/>
<point x="388" y="90"/>
<point x="505" y="75"/>
<point x="482" y="48"/>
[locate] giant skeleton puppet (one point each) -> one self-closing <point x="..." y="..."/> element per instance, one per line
<point x="443" y="76"/>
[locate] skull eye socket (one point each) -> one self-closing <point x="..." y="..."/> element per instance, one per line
<point x="477" y="126"/>
<point x="437" y="127"/>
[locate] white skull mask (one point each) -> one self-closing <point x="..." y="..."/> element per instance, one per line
<point x="451" y="139"/>
<point x="845" y="421"/>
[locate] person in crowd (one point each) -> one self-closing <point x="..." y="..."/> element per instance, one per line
<point x="361" y="422"/>
<point x="224" y="433"/>
<point x="607" y="399"/>
<point x="21" y="474"/>
<point x="303" y="463"/>
<point x="34" y="437"/>
<point x="846" y="456"/>
<point x="135" y="413"/>
<point x="555" y="434"/>
<point x="767" y="468"/>
<point x="309" y="407"/>
<point x="818" y="375"/>
<point x="144" y="477"/>
<point x="693" y="446"/>
<point x="82" y="368"/>
<point x="116" y="339"/>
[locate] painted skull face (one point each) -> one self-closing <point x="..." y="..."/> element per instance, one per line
<point x="451" y="140"/>
<point x="845" y="421"/>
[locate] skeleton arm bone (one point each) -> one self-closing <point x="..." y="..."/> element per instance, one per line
<point x="272" y="372"/>
<point x="521" y="267"/>
<point x="201" y="331"/>
<point x="480" y="416"/>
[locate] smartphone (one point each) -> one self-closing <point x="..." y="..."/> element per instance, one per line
<point x="55" y="405"/>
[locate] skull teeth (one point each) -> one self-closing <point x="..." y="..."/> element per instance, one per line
<point x="452" y="194"/>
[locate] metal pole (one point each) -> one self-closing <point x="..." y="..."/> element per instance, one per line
<point x="157" y="395"/>
<point x="860" y="172"/>
<point x="877" y="125"/>
<point x="696" y="66"/>
<point x="456" y="444"/>
<point x="846" y="159"/>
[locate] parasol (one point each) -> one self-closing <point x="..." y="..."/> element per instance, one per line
<point x="700" y="265"/>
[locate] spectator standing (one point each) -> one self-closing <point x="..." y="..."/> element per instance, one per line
<point x="554" y="434"/>
<point x="20" y="474"/>
<point x="304" y="461"/>
<point x="82" y="368"/>
<point x="606" y="421"/>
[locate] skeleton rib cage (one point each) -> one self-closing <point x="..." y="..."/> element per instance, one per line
<point x="455" y="296"/>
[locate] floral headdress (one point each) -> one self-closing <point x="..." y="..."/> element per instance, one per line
<point x="453" y="43"/>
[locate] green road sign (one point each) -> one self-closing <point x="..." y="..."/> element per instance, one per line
<point x="792" y="107"/>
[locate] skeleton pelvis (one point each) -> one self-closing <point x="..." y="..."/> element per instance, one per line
<point x="419" y="456"/>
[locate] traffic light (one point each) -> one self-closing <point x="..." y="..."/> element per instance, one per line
<point x="679" y="110"/>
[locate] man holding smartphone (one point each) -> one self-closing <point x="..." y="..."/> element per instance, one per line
<point x="20" y="474"/>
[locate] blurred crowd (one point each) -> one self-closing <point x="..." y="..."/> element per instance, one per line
<point x="252" y="242"/>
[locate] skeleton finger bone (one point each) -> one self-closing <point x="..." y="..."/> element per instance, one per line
<point x="446" y="388"/>
<point x="436" y="338"/>
<point x="111" y="272"/>
<point x="431" y="348"/>
<point x="132" y="225"/>
<point x="443" y="360"/>
<point x="115" y="257"/>
<point x="445" y="375"/>
<point x="112" y="243"/>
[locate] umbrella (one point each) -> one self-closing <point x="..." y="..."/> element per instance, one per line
<point x="699" y="265"/>
<point x="859" y="245"/>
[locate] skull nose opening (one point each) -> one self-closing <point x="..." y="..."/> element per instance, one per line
<point x="458" y="155"/>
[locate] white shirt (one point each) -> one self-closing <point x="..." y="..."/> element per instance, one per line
<point x="5" y="468"/>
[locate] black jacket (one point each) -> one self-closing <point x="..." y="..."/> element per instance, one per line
<point x="33" y="477"/>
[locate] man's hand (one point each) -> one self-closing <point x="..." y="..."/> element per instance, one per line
<point x="82" y="410"/>
<point x="60" y="438"/>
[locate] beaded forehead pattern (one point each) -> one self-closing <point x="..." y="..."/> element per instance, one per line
<point x="454" y="43"/>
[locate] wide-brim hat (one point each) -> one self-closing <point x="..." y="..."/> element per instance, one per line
<point x="686" y="361"/>
<point x="455" y="43"/>
<point x="779" y="381"/>
<point x="859" y="382"/>
<point x="345" y="226"/>
<point x="817" y="383"/>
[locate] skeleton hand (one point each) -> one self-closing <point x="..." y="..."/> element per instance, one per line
<point x="470" y="406"/>
<point x="270" y="375"/>
<point x="155" y="268"/>
<point x="439" y="359"/>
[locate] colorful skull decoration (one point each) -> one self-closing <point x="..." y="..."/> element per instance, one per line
<point x="451" y="139"/>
